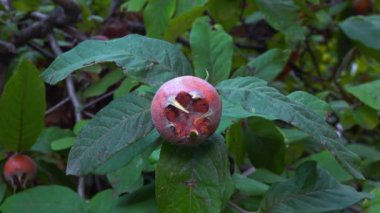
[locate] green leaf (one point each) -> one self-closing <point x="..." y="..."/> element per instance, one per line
<point x="48" y="135"/>
<point x="146" y="59"/>
<point x="3" y="189"/>
<point x="225" y="12"/>
<point x="62" y="143"/>
<point x="212" y="50"/>
<point x="265" y="144"/>
<point x="283" y="15"/>
<point x="182" y="23"/>
<point x="128" y="178"/>
<point x="40" y="199"/>
<point x="79" y="126"/>
<point x="103" y="84"/>
<point x="267" y="66"/>
<point x="311" y="102"/>
<point x="249" y="186"/>
<point x="294" y="135"/>
<point x="363" y="29"/>
<point x="370" y="153"/>
<point x="26" y="6"/>
<point x="127" y="154"/>
<point x="266" y="176"/>
<point x="125" y="87"/>
<point x="366" y="117"/>
<point x="373" y="205"/>
<point x="126" y="182"/>
<point x="156" y="17"/>
<point x="236" y="143"/>
<point x="255" y="97"/>
<point x="104" y="201"/>
<point x="328" y="163"/>
<point x="367" y="93"/>
<point x="193" y="179"/>
<point x="135" y="5"/>
<point x="142" y="200"/>
<point x="185" y="6"/>
<point x="121" y="124"/>
<point x="310" y="190"/>
<point x="22" y="108"/>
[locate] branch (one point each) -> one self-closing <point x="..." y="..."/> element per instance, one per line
<point x="74" y="100"/>
<point x="41" y="50"/>
<point x="66" y="14"/>
<point x="108" y="94"/>
<point x="59" y="104"/>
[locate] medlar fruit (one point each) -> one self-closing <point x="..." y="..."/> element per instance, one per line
<point x="186" y="110"/>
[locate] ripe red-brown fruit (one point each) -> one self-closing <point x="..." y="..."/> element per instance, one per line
<point x="186" y="110"/>
<point x="363" y="6"/>
<point x="19" y="170"/>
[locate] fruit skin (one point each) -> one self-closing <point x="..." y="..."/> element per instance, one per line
<point x="19" y="169"/>
<point x="204" y="110"/>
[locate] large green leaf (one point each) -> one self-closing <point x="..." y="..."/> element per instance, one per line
<point x="212" y="50"/>
<point x="121" y="124"/>
<point x="128" y="178"/>
<point x="313" y="103"/>
<point x="267" y="66"/>
<point x="43" y="199"/>
<point x="368" y="93"/>
<point x="283" y="15"/>
<point x="127" y="154"/>
<point x="156" y="16"/>
<point x="328" y="163"/>
<point x="225" y="12"/>
<point x="249" y="186"/>
<point x="182" y="23"/>
<point x="363" y="29"/>
<point x="22" y="108"/>
<point x="310" y="190"/>
<point x="366" y="117"/>
<point x="141" y="201"/>
<point x="236" y="143"/>
<point x="146" y="59"/>
<point x="265" y="144"/>
<point x="255" y="97"/>
<point x="193" y="179"/>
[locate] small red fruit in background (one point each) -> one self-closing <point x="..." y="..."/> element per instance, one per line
<point x="363" y="7"/>
<point x="186" y="110"/>
<point x="19" y="170"/>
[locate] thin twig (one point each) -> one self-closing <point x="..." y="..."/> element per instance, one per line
<point x="59" y="104"/>
<point x="74" y="100"/>
<point x="249" y="171"/>
<point x="89" y="114"/>
<point x="41" y="50"/>
<point x="98" y="99"/>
